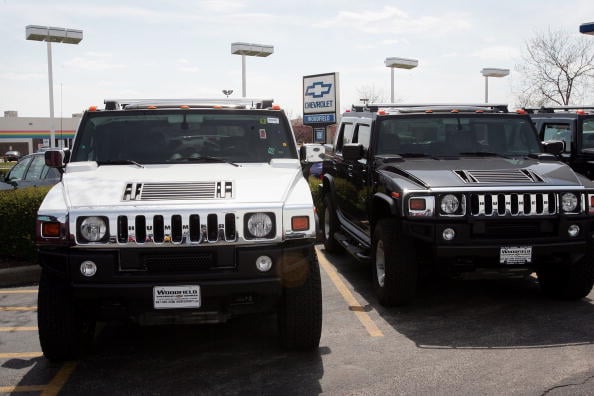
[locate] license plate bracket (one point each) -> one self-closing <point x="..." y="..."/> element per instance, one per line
<point x="515" y="255"/>
<point x="179" y="296"/>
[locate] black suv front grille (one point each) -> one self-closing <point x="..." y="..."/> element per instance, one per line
<point x="515" y="204"/>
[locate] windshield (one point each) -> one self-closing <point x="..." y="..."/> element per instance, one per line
<point x="454" y="135"/>
<point x="182" y="136"/>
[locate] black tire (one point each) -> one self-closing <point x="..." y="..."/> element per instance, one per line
<point x="569" y="282"/>
<point x="394" y="265"/>
<point x="63" y="333"/>
<point x="300" y="312"/>
<point x="330" y="226"/>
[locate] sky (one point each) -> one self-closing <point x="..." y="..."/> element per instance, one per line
<point x="182" y="49"/>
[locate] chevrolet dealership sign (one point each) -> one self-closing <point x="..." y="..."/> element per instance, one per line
<point x="320" y="99"/>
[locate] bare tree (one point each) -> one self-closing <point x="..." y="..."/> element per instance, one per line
<point x="371" y="94"/>
<point x="557" y="68"/>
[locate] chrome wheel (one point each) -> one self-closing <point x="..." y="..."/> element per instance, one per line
<point x="380" y="264"/>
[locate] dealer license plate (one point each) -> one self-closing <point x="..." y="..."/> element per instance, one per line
<point x="184" y="296"/>
<point x="511" y="255"/>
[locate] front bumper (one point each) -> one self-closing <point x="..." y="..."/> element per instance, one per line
<point x="229" y="281"/>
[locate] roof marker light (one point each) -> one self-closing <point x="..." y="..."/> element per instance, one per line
<point x="381" y="112"/>
<point x="92" y="108"/>
<point x="276" y="107"/>
<point x="428" y="111"/>
<point x="581" y="112"/>
<point x="479" y="111"/>
<point x="151" y="107"/>
<point x="455" y="111"/>
<point x="184" y="107"/>
<point x="217" y="107"/>
<point x="521" y="111"/>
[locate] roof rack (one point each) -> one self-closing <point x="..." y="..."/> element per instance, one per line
<point x="436" y="107"/>
<point x="137" y="104"/>
<point x="553" y="109"/>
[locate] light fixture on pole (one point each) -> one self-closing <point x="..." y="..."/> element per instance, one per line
<point x="492" y="72"/>
<point x="52" y="35"/>
<point x="227" y="92"/>
<point x="587" y="28"/>
<point x="399" y="63"/>
<point x="246" y="49"/>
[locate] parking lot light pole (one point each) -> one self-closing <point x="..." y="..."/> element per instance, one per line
<point x="492" y="72"/>
<point x="246" y="49"/>
<point x="52" y="35"/>
<point x="587" y="28"/>
<point x="399" y="63"/>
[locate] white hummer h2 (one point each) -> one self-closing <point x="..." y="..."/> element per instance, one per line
<point x="177" y="211"/>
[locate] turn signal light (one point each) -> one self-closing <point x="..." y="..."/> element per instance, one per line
<point x="50" y="230"/>
<point x="300" y="223"/>
<point x="417" y="204"/>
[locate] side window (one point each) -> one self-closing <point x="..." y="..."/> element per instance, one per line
<point x="588" y="134"/>
<point x="37" y="165"/>
<point x="558" y="131"/>
<point x="345" y="136"/>
<point x="362" y="135"/>
<point x="18" y="171"/>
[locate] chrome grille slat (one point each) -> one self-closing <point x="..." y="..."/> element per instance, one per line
<point x="538" y="204"/>
<point x="177" y="191"/>
<point x="175" y="228"/>
<point x="498" y="176"/>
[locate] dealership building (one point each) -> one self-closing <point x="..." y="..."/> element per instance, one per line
<point x="29" y="134"/>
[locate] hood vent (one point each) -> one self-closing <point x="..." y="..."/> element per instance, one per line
<point x="177" y="191"/>
<point x="499" y="176"/>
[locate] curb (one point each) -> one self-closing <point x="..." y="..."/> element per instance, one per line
<point x="18" y="276"/>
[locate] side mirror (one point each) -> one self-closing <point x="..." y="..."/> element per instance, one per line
<point x="555" y="147"/>
<point x="55" y="158"/>
<point x="352" y="152"/>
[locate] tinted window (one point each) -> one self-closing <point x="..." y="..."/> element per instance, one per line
<point x="178" y="136"/>
<point x="18" y="170"/>
<point x="447" y="135"/>
<point x="558" y="131"/>
<point x="36" y="169"/>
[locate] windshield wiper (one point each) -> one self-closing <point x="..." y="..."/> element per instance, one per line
<point x="120" y="162"/>
<point x="482" y="154"/>
<point x="202" y="159"/>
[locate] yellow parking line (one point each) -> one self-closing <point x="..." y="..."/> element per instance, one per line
<point x="58" y="382"/>
<point x="354" y="305"/>
<point x="19" y="328"/>
<point x="18" y="308"/>
<point x="20" y="355"/>
<point x="22" y="388"/>
<point x="23" y="291"/>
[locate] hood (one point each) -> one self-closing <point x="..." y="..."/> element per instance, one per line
<point x="479" y="172"/>
<point x="87" y="184"/>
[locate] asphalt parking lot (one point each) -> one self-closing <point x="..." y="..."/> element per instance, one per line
<point x="459" y="337"/>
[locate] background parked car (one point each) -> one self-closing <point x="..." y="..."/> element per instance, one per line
<point x="12" y="155"/>
<point x="30" y="170"/>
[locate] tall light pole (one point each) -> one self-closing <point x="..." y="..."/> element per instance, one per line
<point x="399" y="63"/>
<point x="246" y="49"/>
<point x="492" y="72"/>
<point x="52" y="35"/>
<point x="587" y="28"/>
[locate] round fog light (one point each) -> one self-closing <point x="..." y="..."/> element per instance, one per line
<point x="88" y="268"/>
<point x="573" y="230"/>
<point x="263" y="263"/>
<point x="448" y="234"/>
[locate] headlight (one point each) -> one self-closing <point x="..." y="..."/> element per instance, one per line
<point x="259" y="225"/>
<point x="450" y="204"/>
<point x="569" y="202"/>
<point x="93" y="228"/>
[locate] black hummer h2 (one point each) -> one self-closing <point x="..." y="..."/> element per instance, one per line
<point x="575" y="126"/>
<point x="456" y="189"/>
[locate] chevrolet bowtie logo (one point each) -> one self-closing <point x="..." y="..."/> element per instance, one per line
<point x="318" y="89"/>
